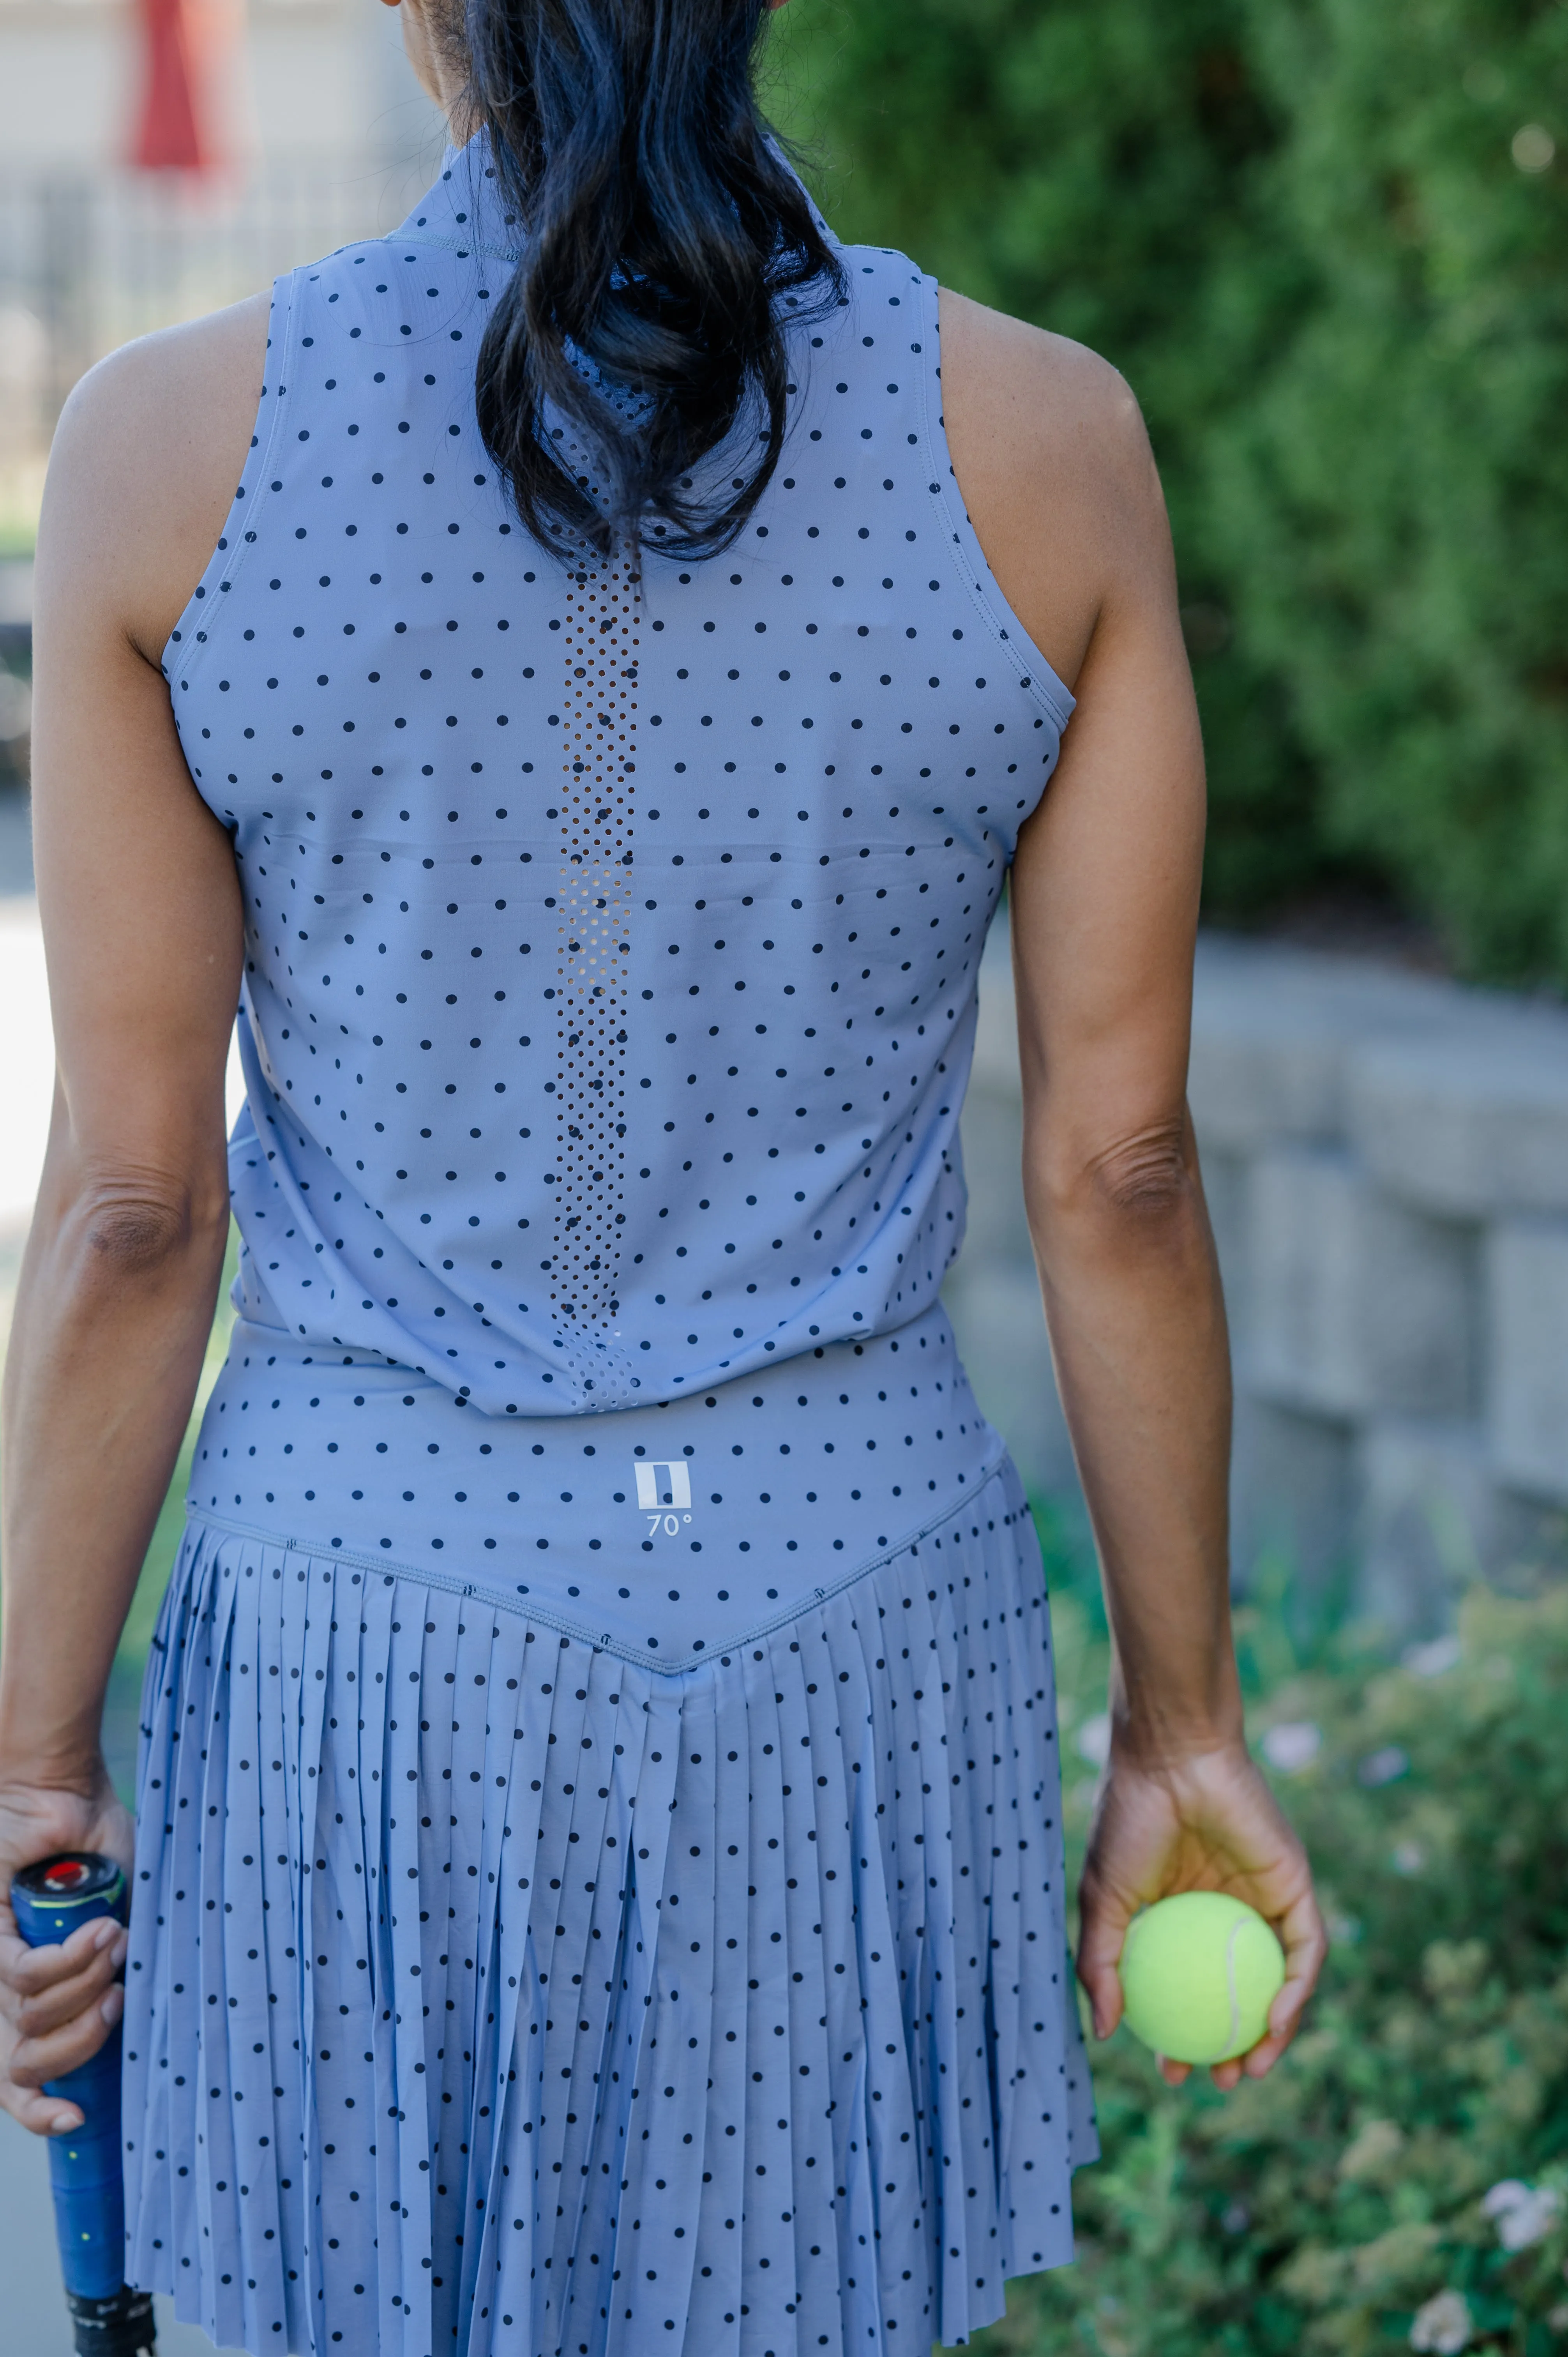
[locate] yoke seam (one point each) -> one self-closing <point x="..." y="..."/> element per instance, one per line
<point x="526" y="1608"/>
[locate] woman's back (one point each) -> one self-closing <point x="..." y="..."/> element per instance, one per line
<point x="611" y="930"/>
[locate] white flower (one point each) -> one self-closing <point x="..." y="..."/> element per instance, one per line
<point x="1522" y="2213"/>
<point x="1532" y="147"/>
<point x="1433" y="1659"/>
<point x="1383" y="1767"/>
<point x="1443" y="2325"/>
<point x="1409" y="1857"/>
<point x="1292" y="1746"/>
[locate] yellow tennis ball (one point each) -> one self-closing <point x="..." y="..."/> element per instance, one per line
<point x="1198" y="1975"/>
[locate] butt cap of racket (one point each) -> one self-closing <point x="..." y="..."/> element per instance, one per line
<point x="120" y="2326"/>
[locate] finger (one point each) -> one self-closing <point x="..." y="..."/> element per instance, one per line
<point x="34" y="2017"/>
<point x="1102" y="1929"/>
<point x="1305" y="1946"/>
<point x="1226" y="2075"/>
<point x="1262" y="2057"/>
<point x="42" y="2116"/>
<point x="32" y="1976"/>
<point x="1102" y="1985"/>
<point x="1174" y="2074"/>
<point x="36" y="2060"/>
<point x="26" y="1969"/>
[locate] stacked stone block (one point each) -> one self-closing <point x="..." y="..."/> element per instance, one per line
<point x="1386" y="1159"/>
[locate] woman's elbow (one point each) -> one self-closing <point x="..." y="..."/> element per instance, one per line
<point x="133" y="1226"/>
<point x="1145" y="1183"/>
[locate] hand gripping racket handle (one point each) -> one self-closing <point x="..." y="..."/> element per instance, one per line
<point x="51" y="1900"/>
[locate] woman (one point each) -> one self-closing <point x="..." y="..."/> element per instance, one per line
<point x="597" y="1873"/>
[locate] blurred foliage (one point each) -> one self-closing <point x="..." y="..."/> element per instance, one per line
<point x="1325" y="2208"/>
<point x="1327" y="244"/>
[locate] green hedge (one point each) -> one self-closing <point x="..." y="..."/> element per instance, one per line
<point x="1328" y="245"/>
<point x="1322" y="2212"/>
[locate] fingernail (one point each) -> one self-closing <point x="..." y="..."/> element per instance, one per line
<point x="107" y="1930"/>
<point x="121" y="1944"/>
<point x="113" y="2006"/>
<point x="64" y="2122"/>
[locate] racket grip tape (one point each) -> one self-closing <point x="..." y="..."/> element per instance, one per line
<point x="51" y="1900"/>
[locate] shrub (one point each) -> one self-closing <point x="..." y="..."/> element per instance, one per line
<point x="1391" y="494"/>
<point x="1341" y="2205"/>
<point x="1327" y="245"/>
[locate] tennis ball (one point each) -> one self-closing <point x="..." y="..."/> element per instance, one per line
<point x="1198" y="1975"/>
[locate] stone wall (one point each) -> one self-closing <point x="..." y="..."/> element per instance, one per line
<point x="1386" y="1159"/>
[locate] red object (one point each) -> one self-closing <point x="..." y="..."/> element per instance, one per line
<point x="66" y="1874"/>
<point x="174" y="131"/>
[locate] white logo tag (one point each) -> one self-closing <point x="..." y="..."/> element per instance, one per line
<point x="662" y="1484"/>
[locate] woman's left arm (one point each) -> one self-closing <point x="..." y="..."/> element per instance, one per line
<point x="143" y="930"/>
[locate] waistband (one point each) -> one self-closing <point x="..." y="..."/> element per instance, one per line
<point x="652" y="1529"/>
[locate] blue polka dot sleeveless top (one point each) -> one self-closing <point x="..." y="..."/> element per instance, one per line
<point x="611" y="937"/>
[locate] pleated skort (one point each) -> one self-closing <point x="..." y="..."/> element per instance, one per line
<point x="492" y="1992"/>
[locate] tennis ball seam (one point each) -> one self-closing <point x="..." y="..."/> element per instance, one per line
<point x="1233" y="2034"/>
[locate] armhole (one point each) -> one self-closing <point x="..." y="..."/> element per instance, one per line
<point x="959" y="534"/>
<point x="199" y="619"/>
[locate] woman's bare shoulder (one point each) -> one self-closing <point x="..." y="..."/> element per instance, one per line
<point x="1048" y="446"/>
<point x="150" y="447"/>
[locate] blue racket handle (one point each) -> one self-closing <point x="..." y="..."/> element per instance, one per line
<point x="51" y="1900"/>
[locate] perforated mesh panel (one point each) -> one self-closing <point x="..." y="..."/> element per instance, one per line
<point x="594" y="906"/>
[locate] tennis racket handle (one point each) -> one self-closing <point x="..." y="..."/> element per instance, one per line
<point x="87" y="2178"/>
<point x="51" y="1900"/>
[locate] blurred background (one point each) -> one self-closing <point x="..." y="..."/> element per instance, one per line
<point x="1328" y="244"/>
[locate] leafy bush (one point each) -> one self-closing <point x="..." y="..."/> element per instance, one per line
<point x="1342" y="2204"/>
<point x="1327" y="244"/>
<point x="1391" y="493"/>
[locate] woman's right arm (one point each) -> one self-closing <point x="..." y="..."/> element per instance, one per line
<point x="143" y="928"/>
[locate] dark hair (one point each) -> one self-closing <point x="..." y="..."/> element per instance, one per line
<point x="665" y="241"/>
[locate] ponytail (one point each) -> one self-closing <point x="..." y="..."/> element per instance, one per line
<point x="665" y="245"/>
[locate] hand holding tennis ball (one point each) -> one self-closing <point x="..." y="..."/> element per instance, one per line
<point x="1198" y="1975"/>
<point x="1184" y="1848"/>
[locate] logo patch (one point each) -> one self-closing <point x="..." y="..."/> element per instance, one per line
<point x="662" y="1484"/>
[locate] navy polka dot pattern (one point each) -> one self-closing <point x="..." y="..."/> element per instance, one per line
<point x="598" y="1870"/>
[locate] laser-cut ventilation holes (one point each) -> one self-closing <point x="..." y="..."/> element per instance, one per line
<point x="594" y="911"/>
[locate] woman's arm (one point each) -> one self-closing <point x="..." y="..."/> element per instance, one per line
<point x="142" y="925"/>
<point x="1061" y="484"/>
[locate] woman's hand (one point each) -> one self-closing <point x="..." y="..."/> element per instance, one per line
<point x="1207" y="1822"/>
<point x="57" y="2005"/>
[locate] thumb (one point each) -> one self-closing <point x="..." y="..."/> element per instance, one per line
<point x="1102" y="1929"/>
